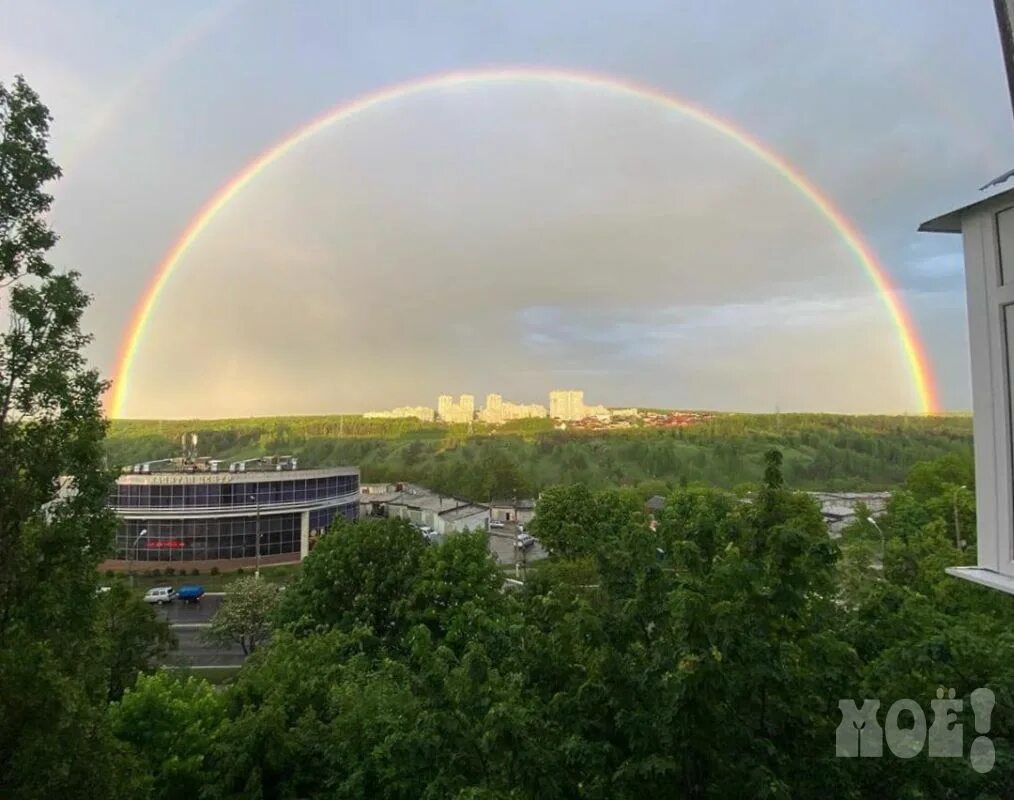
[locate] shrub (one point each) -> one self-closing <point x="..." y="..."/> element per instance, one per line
<point x="241" y="571"/>
<point x="110" y="573"/>
<point x="214" y="570"/>
<point x="169" y="571"/>
<point x="195" y="571"/>
<point x="156" y="573"/>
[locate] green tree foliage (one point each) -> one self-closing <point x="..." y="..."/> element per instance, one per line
<point x="916" y="629"/>
<point x="133" y="639"/>
<point x="702" y="659"/>
<point x="821" y="451"/>
<point x="358" y="575"/>
<point x="171" y="723"/>
<point x="574" y="521"/>
<point x="244" y="618"/>
<point x="53" y="738"/>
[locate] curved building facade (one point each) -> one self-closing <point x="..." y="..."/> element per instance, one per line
<point x="184" y="513"/>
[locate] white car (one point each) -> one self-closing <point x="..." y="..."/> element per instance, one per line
<point x="495" y="523"/>
<point x="525" y="540"/>
<point x="159" y="594"/>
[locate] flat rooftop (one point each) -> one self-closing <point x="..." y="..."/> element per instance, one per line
<point x="210" y="464"/>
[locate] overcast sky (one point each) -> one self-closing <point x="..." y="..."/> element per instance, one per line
<point x="525" y="236"/>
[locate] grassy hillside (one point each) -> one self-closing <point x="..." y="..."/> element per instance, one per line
<point x="821" y="450"/>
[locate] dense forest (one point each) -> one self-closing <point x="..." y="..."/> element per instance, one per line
<point x="821" y="451"/>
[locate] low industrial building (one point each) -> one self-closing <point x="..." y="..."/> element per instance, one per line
<point x="420" y="506"/>
<point x="193" y="511"/>
<point x="520" y="510"/>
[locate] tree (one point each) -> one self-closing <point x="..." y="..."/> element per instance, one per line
<point x="245" y="615"/>
<point x="573" y="520"/>
<point x="132" y="636"/>
<point x="172" y="723"/>
<point x="54" y="526"/>
<point x="360" y="574"/>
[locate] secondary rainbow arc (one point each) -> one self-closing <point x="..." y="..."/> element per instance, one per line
<point x="914" y="352"/>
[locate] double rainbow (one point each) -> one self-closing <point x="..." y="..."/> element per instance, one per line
<point x="914" y="351"/>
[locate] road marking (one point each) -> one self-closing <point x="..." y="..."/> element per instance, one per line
<point x="189" y="624"/>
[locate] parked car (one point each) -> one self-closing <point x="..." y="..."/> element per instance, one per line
<point x="525" y="540"/>
<point x="159" y="594"/>
<point x="190" y="593"/>
<point x="496" y="523"/>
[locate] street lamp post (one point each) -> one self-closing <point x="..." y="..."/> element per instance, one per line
<point x="257" y="544"/>
<point x="514" y="506"/>
<point x="957" y="524"/>
<point x="883" y="541"/>
<point x="131" y="553"/>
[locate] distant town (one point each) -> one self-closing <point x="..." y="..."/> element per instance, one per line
<point x="566" y="406"/>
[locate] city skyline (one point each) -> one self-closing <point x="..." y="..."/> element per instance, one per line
<point x="564" y="404"/>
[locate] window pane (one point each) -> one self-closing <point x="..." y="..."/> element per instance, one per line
<point x="1005" y="240"/>
<point x="1008" y="315"/>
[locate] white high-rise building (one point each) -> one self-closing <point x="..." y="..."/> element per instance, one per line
<point x="493" y="411"/>
<point x="461" y="412"/>
<point x="444" y="405"/>
<point x="566" y="404"/>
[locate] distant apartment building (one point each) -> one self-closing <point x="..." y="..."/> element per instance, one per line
<point x="568" y="405"/>
<point x="524" y="411"/>
<point x="461" y="412"/>
<point x="492" y="412"/>
<point x="421" y="413"/>
<point x="496" y="411"/>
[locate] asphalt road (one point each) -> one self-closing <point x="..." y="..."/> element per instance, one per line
<point x="191" y="651"/>
<point x="189" y="621"/>
<point x="189" y="613"/>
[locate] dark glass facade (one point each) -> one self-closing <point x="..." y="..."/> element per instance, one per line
<point x="232" y="494"/>
<point x="274" y="508"/>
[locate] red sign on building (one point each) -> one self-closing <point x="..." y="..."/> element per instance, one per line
<point x="166" y="544"/>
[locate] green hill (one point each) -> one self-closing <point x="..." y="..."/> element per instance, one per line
<point x="822" y="451"/>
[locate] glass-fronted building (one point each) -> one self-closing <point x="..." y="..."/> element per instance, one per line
<point x="187" y="512"/>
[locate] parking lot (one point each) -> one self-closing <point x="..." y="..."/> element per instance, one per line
<point x="501" y="545"/>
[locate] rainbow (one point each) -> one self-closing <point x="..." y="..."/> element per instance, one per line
<point x="914" y="352"/>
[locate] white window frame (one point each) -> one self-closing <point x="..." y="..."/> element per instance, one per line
<point x="992" y="351"/>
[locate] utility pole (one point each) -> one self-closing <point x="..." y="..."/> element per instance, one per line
<point x="257" y="545"/>
<point x="514" y="505"/>
<point x="883" y="542"/>
<point x="132" y="553"/>
<point x="957" y="523"/>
